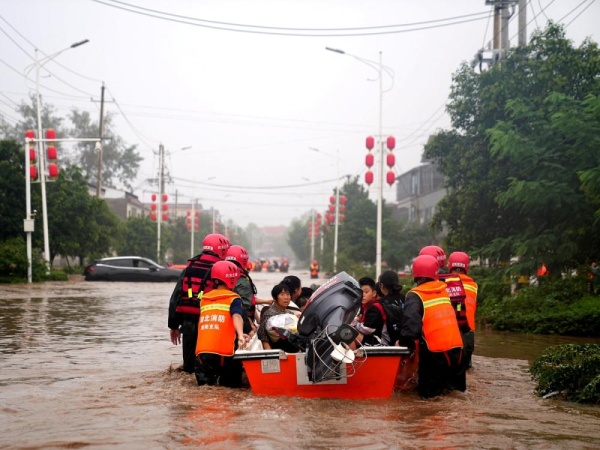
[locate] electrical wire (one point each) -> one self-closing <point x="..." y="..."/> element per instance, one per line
<point x="573" y="10"/>
<point x="261" y="30"/>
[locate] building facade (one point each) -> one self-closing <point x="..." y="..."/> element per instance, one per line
<point x="418" y="191"/>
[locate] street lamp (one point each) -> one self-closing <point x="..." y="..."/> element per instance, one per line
<point x="38" y="64"/>
<point x="380" y="68"/>
<point x="337" y="201"/>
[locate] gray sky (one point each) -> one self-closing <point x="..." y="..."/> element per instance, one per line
<point x="251" y="103"/>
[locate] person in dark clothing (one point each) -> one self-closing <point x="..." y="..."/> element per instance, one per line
<point x="244" y="287"/>
<point x="375" y="326"/>
<point x="429" y="324"/>
<point x="295" y="285"/>
<point x="184" y="304"/>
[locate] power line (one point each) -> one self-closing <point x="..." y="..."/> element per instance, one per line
<point x="261" y="30"/>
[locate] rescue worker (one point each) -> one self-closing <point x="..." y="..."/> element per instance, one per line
<point x="184" y="305"/>
<point x="244" y="287"/>
<point x="458" y="263"/>
<point x="430" y="321"/>
<point x="314" y="269"/>
<point x="438" y="253"/>
<point x="220" y="329"/>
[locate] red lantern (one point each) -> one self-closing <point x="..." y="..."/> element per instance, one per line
<point x="331" y="208"/>
<point x="332" y="199"/>
<point x="153" y="206"/>
<point x="32" y="155"/>
<point x="51" y="152"/>
<point x="197" y="213"/>
<point x="188" y="220"/>
<point x="196" y="227"/>
<point x="391" y="160"/>
<point x="50" y="134"/>
<point x="391" y="142"/>
<point x="165" y="217"/>
<point x="30" y="134"/>
<point x="153" y="197"/>
<point x="369" y="160"/>
<point x="370" y="142"/>
<point x="165" y="207"/>
<point x="33" y="172"/>
<point x="342" y="208"/>
<point x="153" y="216"/>
<point x="53" y="171"/>
<point x="189" y="213"/>
<point x="318" y="216"/>
<point x="343" y="199"/>
<point x="369" y="177"/>
<point x="390" y="177"/>
<point x="165" y="197"/>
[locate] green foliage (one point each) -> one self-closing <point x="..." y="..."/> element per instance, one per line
<point x="78" y="224"/>
<point x="571" y="370"/>
<point x="521" y="160"/>
<point x="13" y="262"/>
<point x="139" y="238"/>
<point x="120" y="162"/>
<point x="555" y="307"/>
<point x="12" y="189"/>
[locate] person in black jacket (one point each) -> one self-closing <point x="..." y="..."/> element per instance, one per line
<point x="184" y="304"/>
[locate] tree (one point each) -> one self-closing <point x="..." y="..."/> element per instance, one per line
<point x="521" y="157"/>
<point x="139" y="238"/>
<point x="12" y="189"/>
<point x="78" y="224"/>
<point x="120" y="162"/>
<point x="29" y="113"/>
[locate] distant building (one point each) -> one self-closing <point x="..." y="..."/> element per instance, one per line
<point x="418" y="191"/>
<point x="129" y="205"/>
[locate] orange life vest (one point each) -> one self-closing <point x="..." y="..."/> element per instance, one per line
<point x="440" y="328"/>
<point x="471" y="300"/>
<point x="216" y="333"/>
<point x="314" y="269"/>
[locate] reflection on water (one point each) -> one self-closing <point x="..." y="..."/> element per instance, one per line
<point x="90" y="364"/>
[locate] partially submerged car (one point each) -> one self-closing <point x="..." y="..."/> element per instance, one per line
<point x="129" y="268"/>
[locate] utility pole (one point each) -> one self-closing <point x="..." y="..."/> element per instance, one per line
<point x="522" y="23"/>
<point x="500" y="42"/>
<point x="101" y="126"/>
<point x="161" y="188"/>
<point x="312" y="235"/>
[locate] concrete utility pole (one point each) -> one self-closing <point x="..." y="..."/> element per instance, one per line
<point x="161" y="188"/>
<point x="101" y="126"/>
<point x="522" y="23"/>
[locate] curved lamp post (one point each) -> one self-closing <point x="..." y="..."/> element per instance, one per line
<point x="38" y="64"/>
<point x="377" y="65"/>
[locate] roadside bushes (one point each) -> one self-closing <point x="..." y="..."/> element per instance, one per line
<point x="561" y="306"/>
<point x="13" y="264"/>
<point x="572" y="372"/>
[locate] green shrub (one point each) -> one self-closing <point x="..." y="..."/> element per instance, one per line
<point x="572" y="371"/>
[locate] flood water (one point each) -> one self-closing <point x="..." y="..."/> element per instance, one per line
<point x="90" y="365"/>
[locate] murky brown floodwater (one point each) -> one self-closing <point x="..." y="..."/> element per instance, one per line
<point x="89" y="365"/>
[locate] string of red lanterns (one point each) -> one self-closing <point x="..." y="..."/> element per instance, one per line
<point x="390" y="160"/>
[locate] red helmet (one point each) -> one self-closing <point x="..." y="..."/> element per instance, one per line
<point x="459" y="260"/>
<point x="239" y="255"/>
<point x="216" y="243"/>
<point x="437" y="252"/>
<point x="425" y="266"/>
<point x="226" y="272"/>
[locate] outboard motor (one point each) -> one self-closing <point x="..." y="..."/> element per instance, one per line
<point x="324" y="323"/>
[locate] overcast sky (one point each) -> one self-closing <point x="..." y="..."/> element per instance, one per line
<point x="250" y="87"/>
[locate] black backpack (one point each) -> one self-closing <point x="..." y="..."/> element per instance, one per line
<point x="391" y="312"/>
